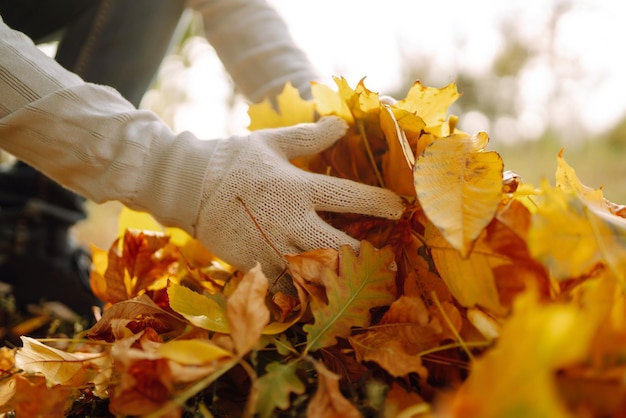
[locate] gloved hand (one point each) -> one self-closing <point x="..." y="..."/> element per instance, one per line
<point x="253" y="190"/>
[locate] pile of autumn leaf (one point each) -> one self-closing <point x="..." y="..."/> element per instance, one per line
<point x="489" y="298"/>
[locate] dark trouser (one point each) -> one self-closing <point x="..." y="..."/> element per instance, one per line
<point x="119" y="43"/>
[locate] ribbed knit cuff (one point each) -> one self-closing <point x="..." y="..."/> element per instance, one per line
<point x="172" y="181"/>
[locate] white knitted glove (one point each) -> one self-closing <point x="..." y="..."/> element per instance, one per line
<point x="253" y="173"/>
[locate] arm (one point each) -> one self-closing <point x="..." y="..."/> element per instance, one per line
<point x="91" y="140"/>
<point x="255" y="46"/>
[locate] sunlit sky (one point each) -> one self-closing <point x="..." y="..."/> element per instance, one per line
<point x="372" y="39"/>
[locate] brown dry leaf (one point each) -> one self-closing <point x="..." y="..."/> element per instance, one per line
<point x="328" y="402"/>
<point x="132" y="316"/>
<point x="459" y="186"/>
<point x="405" y="330"/>
<point x="30" y="396"/>
<point x="246" y="311"/>
<point x="311" y="270"/>
<point x="389" y="351"/>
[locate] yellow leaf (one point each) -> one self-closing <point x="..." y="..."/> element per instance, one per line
<point x="192" y="352"/>
<point x="246" y="311"/>
<point x="291" y="109"/>
<point x="134" y="220"/>
<point x="459" y="186"/>
<point x="329" y="102"/>
<point x="59" y="367"/>
<point x="429" y="103"/>
<point x="470" y="279"/>
<point x="202" y="311"/>
<point x="516" y="378"/>
<point x="572" y="237"/>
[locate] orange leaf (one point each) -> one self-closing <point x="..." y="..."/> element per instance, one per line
<point x="328" y="402"/>
<point x="246" y="311"/>
<point x="29" y="396"/>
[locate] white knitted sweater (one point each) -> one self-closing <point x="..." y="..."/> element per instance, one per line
<point x="90" y="139"/>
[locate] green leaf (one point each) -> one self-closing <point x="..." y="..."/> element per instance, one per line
<point x="276" y="386"/>
<point x="202" y="311"/>
<point x="364" y="282"/>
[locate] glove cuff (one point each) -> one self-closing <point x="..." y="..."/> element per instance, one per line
<point x="172" y="181"/>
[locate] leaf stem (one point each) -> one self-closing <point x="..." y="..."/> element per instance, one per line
<point x="370" y="155"/>
<point x="452" y="329"/>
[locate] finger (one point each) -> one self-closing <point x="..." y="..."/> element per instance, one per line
<point x="346" y="196"/>
<point x="318" y="234"/>
<point x="307" y="138"/>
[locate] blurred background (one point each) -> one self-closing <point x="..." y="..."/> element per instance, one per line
<point x="537" y="76"/>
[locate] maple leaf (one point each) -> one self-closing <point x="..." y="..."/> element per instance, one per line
<point x="459" y="186"/>
<point x="246" y="311"/>
<point x="290" y="110"/>
<point x="430" y="104"/>
<point x="275" y="387"/>
<point x="126" y="272"/>
<point x="363" y="282"/>
<point x="328" y="402"/>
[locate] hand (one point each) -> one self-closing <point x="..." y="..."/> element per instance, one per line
<point x="254" y="198"/>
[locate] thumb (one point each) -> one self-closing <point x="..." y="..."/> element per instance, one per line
<point x="307" y="138"/>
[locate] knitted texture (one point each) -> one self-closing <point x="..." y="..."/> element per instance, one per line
<point x="257" y="206"/>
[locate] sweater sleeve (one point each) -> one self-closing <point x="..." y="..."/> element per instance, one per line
<point x="91" y="140"/>
<point x="255" y="46"/>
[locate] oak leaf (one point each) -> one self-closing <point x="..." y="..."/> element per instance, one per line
<point x="363" y="282"/>
<point x="459" y="187"/>
<point x="276" y="386"/>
